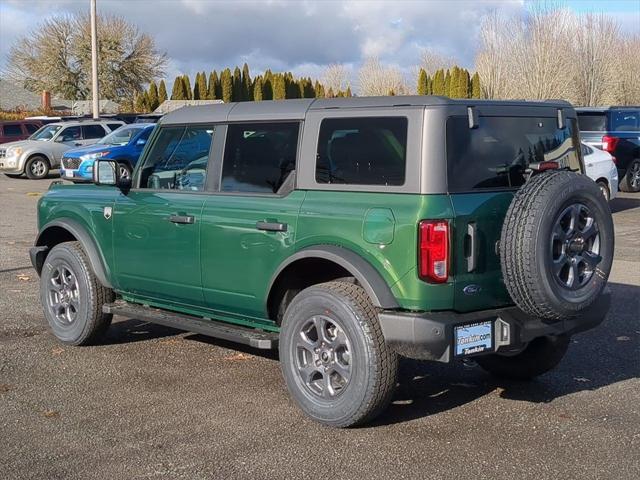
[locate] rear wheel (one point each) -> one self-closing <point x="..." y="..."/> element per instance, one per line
<point x="540" y="355"/>
<point x="631" y="180"/>
<point x="334" y="359"/>
<point x="37" y="167"/>
<point x="604" y="189"/>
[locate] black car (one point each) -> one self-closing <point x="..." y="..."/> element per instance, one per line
<point x="617" y="131"/>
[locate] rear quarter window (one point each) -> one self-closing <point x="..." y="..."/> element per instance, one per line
<point x="497" y="153"/>
<point x="12" y="130"/>
<point x="625" y="120"/>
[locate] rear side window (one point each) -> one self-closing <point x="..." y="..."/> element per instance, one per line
<point x="592" y="122"/>
<point x="362" y="151"/>
<point x="178" y="159"/>
<point x="90" y="132"/>
<point x="31" y="127"/>
<point x="113" y="126"/>
<point x="12" y="130"/>
<point x="259" y="157"/>
<point x="496" y="154"/>
<point x="625" y="121"/>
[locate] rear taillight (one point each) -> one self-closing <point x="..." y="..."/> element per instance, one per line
<point x="433" y="250"/>
<point x="609" y="143"/>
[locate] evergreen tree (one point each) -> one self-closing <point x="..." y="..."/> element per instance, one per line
<point x="279" y="87"/>
<point x="422" y="82"/>
<point x="438" y="83"/>
<point x="188" y="93"/>
<point x="475" y="86"/>
<point x="162" y="92"/>
<point x="152" y="96"/>
<point x="348" y="92"/>
<point x="454" y="83"/>
<point x="267" y="86"/>
<point x="447" y="83"/>
<point x="329" y="93"/>
<point x="319" y="89"/>
<point x="196" y="87"/>
<point x="226" y="85"/>
<point x="141" y="103"/>
<point x="201" y="87"/>
<point x="237" y="85"/>
<point x="178" y="92"/>
<point x="214" y="86"/>
<point x="247" y="91"/>
<point x="464" y="84"/>
<point x="257" y="89"/>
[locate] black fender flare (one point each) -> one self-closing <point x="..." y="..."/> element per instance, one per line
<point x="366" y="275"/>
<point x="96" y="259"/>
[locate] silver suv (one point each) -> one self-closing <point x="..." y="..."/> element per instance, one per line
<point x="43" y="150"/>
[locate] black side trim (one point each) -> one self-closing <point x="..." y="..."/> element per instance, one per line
<point x="363" y="271"/>
<point x="226" y="331"/>
<point x="78" y="231"/>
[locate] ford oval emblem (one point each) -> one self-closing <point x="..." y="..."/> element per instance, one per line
<point x="472" y="289"/>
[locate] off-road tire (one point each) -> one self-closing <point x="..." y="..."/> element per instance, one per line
<point x="374" y="367"/>
<point x="42" y="171"/>
<point x="630" y="177"/>
<point x="541" y="355"/>
<point x="89" y="323"/>
<point x="526" y="244"/>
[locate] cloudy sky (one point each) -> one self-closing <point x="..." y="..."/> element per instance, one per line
<point x="301" y="36"/>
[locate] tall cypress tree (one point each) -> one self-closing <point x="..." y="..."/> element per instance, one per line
<point x="257" y="89"/>
<point x="348" y="92"/>
<point x="214" y="92"/>
<point x="279" y="87"/>
<point x="196" y="87"/>
<point x="464" y="84"/>
<point x="453" y="82"/>
<point x="438" y="83"/>
<point x="237" y="85"/>
<point x="152" y="97"/>
<point x="162" y="92"/>
<point x="447" y="83"/>
<point x="247" y="91"/>
<point x="178" y="92"/>
<point x="226" y="85"/>
<point x="423" y="88"/>
<point x="319" y="89"/>
<point x="142" y="103"/>
<point x="267" y="85"/>
<point x="476" y="92"/>
<point x="201" y="86"/>
<point x="188" y="93"/>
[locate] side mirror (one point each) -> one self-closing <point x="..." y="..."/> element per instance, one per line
<point x="106" y="172"/>
<point x="141" y="142"/>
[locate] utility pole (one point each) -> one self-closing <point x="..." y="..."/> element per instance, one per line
<point x="94" y="62"/>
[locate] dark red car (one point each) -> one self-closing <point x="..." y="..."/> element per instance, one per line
<point x="12" y="131"/>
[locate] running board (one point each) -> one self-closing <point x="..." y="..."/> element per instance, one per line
<point x="226" y="331"/>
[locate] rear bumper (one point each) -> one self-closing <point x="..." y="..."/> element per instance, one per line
<point x="429" y="336"/>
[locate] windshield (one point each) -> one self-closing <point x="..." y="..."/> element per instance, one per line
<point x="46" y="133"/>
<point x="121" y="136"/>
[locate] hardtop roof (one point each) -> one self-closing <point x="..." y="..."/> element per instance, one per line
<point x="296" y="109"/>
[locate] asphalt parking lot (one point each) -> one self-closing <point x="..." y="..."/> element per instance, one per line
<point x="153" y="402"/>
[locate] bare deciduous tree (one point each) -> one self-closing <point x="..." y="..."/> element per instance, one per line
<point x="430" y="61"/>
<point x="594" y="39"/>
<point x="493" y="61"/>
<point x="57" y="57"/>
<point x="336" y="77"/>
<point x="627" y="71"/>
<point x="376" y="79"/>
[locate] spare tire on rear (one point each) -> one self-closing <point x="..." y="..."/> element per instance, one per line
<point x="556" y="245"/>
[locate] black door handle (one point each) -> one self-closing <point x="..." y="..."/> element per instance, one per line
<point x="272" y="226"/>
<point x="187" y="219"/>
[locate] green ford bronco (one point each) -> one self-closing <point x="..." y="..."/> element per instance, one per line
<point x="343" y="232"/>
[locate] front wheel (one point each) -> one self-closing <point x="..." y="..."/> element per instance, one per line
<point x="334" y="359"/>
<point x="37" y="167"/>
<point x="631" y="180"/>
<point x="604" y="189"/>
<point x="72" y="297"/>
<point x="540" y="355"/>
<point x="125" y="170"/>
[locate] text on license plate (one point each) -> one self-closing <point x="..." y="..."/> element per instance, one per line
<point x="473" y="338"/>
<point x="68" y="173"/>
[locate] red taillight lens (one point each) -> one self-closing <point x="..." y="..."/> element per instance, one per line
<point x="609" y="143"/>
<point x="434" y="250"/>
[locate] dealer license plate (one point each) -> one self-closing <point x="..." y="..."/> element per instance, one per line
<point x="473" y="338"/>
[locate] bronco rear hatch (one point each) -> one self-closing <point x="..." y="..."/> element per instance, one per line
<point x="489" y="156"/>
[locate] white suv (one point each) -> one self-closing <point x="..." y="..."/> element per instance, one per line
<point x="43" y="150"/>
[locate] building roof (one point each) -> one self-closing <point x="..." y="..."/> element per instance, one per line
<point x="171" y="105"/>
<point x="296" y="109"/>
<point x="14" y="97"/>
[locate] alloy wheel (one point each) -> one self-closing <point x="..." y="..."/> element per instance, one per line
<point x="63" y="297"/>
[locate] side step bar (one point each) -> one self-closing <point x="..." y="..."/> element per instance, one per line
<point x="234" y="333"/>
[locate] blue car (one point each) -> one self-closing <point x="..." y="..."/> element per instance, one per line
<point x="123" y="145"/>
